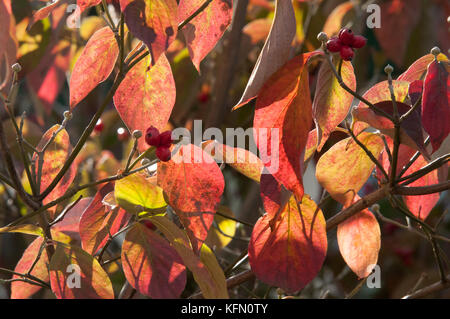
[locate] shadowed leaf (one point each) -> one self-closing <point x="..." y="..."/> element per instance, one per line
<point x="205" y="268"/>
<point x="94" y="282"/>
<point x="151" y="265"/>
<point x="152" y="21"/>
<point x="275" y="53"/>
<point x="204" y="31"/>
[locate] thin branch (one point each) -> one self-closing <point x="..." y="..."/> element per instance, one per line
<point x="196" y="13"/>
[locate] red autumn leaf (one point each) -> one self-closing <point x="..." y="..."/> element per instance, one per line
<point x="331" y="102"/>
<point x="55" y="156"/>
<point x="422" y="205"/>
<point x="284" y="116"/>
<point x="94" y="65"/>
<point x="345" y="167"/>
<point x="359" y="242"/>
<point x="23" y="290"/>
<point x="289" y="251"/>
<point x="193" y="184"/>
<point x="397" y="17"/>
<point x="146" y="96"/>
<point x="152" y="21"/>
<point x="418" y="69"/>
<point x="275" y="53"/>
<point x="98" y="221"/>
<point x="70" y="223"/>
<point x="151" y="265"/>
<point x="435" y="107"/>
<point x="273" y="195"/>
<point x="94" y="282"/>
<point x="204" y="31"/>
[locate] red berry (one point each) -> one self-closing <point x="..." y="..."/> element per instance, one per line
<point x="99" y="126"/>
<point x="152" y="136"/>
<point x="346" y="53"/>
<point x="334" y="45"/>
<point x="346" y="36"/>
<point x="165" y="139"/>
<point x="358" y="41"/>
<point x="122" y="134"/>
<point x="163" y="153"/>
<point x="203" y="97"/>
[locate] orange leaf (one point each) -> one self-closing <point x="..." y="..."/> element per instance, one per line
<point x="335" y="20"/>
<point x="193" y="186"/>
<point x="359" y="242"/>
<point x="151" y="265"/>
<point x="283" y="114"/>
<point x="289" y="252"/>
<point x="146" y="97"/>
<point x="152" y="21"/>
<point x="418" y="69"/>
<point x="204" y="31"/>
<point x="94" y="65"/>
<point x="345" y="167"/>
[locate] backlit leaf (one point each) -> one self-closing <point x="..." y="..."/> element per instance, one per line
<point x="23" y="229"/>
<point x="204" y="31"/>
<point x="94" y="282"/>
<point x="152" y="21"/>
<point x="151" y="265"/>
<point x="359" y="242"/>
<point x="99" y="221"/>
<point x="345" y="167"/>
<point x="418" y="69"/>
<point x="23" y="290"/>
<point x="283" y="118"/>
<point x="245" y="162"/>
<point x="194" y="184"/>
<point x="331" y="102"/>
<point x="55" y="156"/>
<point x="289" y="251"/>
<point x="435" y="106"/>
<point x="146" y="96"/>
<point x="94" y="65"/>
<point x="223" y="232"/>
<point x="136" y="193"/>
<point x="276" y="50"/>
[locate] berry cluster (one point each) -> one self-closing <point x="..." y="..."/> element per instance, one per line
<point x="345" y="43"/>
<point x="161" y="141"/>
